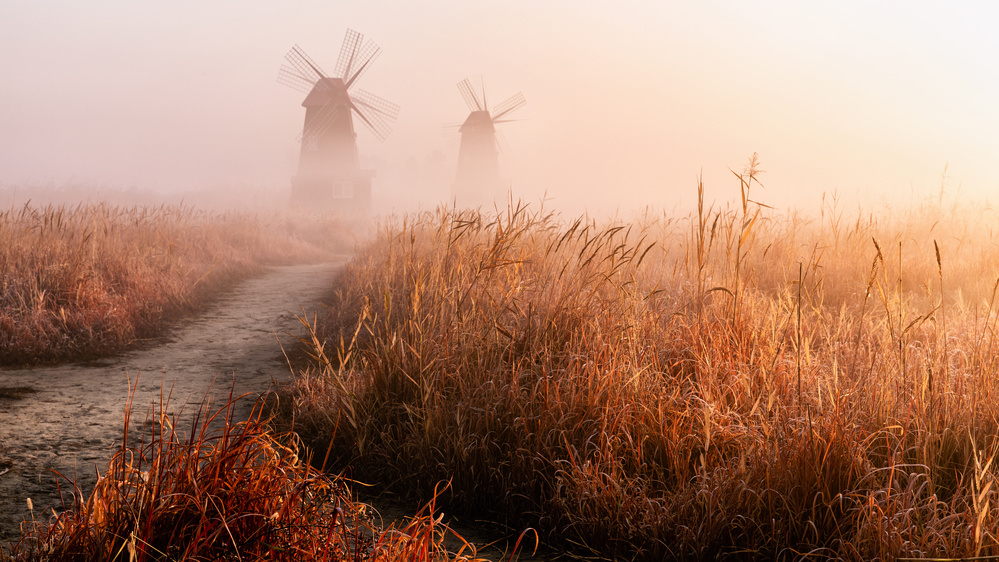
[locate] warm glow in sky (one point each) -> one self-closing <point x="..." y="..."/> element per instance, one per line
<point x="626" y="101"/>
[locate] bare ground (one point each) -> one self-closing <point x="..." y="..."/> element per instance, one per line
<point x="69" y="418"/>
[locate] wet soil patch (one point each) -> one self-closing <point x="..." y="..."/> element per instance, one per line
<point x="15" y="392"/>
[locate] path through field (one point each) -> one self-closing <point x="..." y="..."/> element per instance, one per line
<point x="72" y="415"/>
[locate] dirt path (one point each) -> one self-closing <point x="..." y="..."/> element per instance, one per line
<point x="71" y="416"/>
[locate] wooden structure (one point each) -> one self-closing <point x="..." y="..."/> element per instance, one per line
<point x="329" y="172"/>
<point x="477" y="181"/>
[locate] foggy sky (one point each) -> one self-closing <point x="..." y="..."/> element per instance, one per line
<point x="626" y="102"/>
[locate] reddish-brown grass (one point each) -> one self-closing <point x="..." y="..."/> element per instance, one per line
<point x="743" y="383"/>
<point x="222" y="490"/>
<point x="85" y="281"/>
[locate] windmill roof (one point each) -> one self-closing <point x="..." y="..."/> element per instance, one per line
<point x="477" y="120"/>
<point x="325" y="91"/>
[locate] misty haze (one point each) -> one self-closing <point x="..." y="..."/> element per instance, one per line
<point x="495" y="281"/>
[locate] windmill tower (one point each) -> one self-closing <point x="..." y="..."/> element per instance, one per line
<point x="329" y="172"/>
<point x="477" y="181"/>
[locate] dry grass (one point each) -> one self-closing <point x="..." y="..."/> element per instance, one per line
<point x="739" y="383"/>
<point x="85" y="281"/>
<point x="235" y="492"/>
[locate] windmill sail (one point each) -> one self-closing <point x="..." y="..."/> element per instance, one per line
<point x="380" y="113"/>
<point x="299" y="72"/>
<point x="465" y="87"/>
<point x="512" y="104"/>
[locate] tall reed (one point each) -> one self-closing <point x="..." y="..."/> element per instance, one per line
<point x="602" y="382"/>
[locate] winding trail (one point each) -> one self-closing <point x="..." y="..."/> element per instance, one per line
<point x="72" y="415"/>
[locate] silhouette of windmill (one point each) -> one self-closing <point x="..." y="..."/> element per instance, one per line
<point x="329" y="172"/>
<point x="477" y="181"/>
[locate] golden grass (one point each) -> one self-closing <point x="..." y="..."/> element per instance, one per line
<point x="738" y="383"/>
<point x="85" y="281"/>
<point x="236" y="492"/>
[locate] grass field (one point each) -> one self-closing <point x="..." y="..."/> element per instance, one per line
<point x="84" y="281"/>
<point x="740" y="382"/>
<point x="90" y="280"/>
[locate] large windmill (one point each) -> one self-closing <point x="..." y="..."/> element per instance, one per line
<point x="329" y="172"/>
<point x="477" y="181"/>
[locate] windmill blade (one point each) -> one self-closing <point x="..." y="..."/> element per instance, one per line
<point x="369" y="52"/>
<point x="356" y="56"/>
<point x="325" y="117"/>
<point x="378" y="104"/>
<point x="465" y="87"/>
<point x="512" y="104"/>
<point x="378" y="113"/>
<point x="289" y="76"/>
<point x="351" y="42"/>
<point x="502" y="144"/>
<point x="372" y="126"/>
<point x="304" y="66"/>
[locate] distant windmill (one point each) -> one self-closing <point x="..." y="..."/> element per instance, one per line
<point x="329" y="172"/>
<point x="477" y="181"/>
